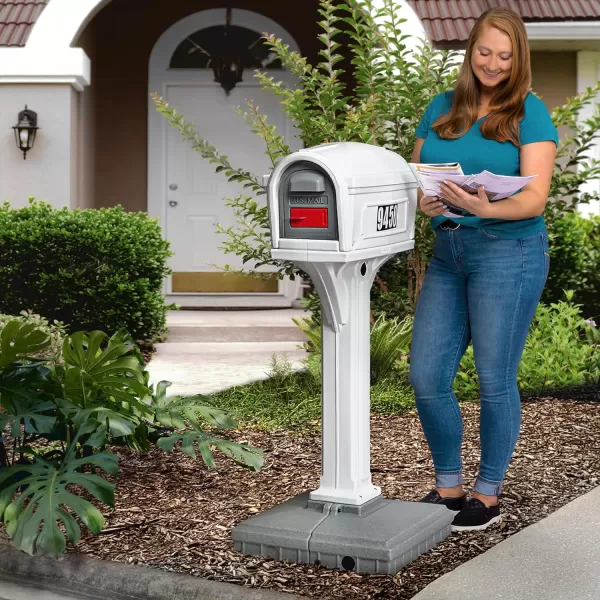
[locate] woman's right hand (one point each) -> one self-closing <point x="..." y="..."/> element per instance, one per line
<point x="432" y="206"/>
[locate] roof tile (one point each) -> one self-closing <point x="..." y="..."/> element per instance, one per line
<point x="17" y="18"/>
<point x="452" y="20"/>
<point x="444" y="20"/>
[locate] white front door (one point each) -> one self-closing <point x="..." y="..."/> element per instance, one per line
<point x="184" y="191"/>
<point x="195" y="194"/>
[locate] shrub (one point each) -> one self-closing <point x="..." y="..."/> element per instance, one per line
<point x="589" y="293"/>
<point x="575" y="256"/>
<point x="90" y="269"/>
<point x="558" y="354"/>
<point x="393" y="88"/>
<point x="61" y="419"/>
<point x="389" y="342"/>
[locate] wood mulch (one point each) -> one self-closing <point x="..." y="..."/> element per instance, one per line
<point x="173" y="513"/>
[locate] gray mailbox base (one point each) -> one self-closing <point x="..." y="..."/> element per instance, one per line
<point x="380" y="536"/>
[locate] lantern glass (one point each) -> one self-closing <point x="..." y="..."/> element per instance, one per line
<point x="24" y="137"/>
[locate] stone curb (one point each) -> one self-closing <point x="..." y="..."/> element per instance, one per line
<point x="93" y="579"/>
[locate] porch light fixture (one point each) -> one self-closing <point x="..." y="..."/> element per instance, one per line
<point x="228" y="67"/>
<point x="225" y="49"/>
<point x="25" y="130"/>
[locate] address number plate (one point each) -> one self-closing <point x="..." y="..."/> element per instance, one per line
<point x="387" y="217"/>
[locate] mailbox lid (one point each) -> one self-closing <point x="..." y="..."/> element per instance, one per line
<point x="363" y="165"/>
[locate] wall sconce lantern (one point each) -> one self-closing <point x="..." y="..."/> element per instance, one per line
<point x="25" y="130"/>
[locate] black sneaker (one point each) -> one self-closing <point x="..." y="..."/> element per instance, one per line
<point x="453" y="504"/>
<point x="476" y="516"/>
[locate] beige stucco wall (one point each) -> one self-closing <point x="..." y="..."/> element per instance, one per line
<point x="49" y="173"/>
<point x="554" y="77"/>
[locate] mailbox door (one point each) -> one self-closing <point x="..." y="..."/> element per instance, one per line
<point x="307" y="203"/>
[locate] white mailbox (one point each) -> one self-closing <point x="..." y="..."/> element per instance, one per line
<point x="339" y="211"/>
<point x="341" y="202"/>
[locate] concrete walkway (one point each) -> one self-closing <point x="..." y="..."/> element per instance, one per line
<point x="208" y="351"/>
<point x="558" y="558"/>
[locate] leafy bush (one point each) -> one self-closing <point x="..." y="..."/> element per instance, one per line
<point x="61" y="418"/>
<point x="389" y="341"/>
<point x="589" y="292"/>
<point x="393" y="88"/>
<point x="575" y="254"/>
<point x="90" y="269"/>
<point x="558" y="354"/>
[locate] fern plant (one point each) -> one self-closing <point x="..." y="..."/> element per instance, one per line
<point x="389" y="342"/>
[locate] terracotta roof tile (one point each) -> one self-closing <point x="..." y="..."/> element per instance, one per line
<point x="452" y="20"/>
<point x="17" y="18"/>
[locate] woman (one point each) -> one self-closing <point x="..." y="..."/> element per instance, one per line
<point x="489" y="268"/>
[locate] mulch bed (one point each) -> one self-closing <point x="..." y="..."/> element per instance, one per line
<point x="173" y="513"/>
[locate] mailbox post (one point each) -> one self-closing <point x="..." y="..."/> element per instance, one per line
<point x="340" y="211"/>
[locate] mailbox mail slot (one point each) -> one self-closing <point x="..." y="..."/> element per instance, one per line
<point x="307" y="203"/>
<point x="309" y="217"/>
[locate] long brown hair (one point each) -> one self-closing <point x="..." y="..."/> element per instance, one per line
<point x="506" y="106"/>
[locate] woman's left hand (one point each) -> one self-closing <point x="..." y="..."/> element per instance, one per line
<point x="477" y="204"/>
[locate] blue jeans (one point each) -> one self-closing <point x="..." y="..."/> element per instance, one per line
<point x="483" y="289"/>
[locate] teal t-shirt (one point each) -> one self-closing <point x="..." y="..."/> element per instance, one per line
<point x="476" y="153"/>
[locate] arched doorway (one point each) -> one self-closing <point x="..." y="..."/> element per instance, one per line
<point x="184" y="191"/>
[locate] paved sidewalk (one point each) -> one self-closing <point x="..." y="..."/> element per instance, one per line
<point x="558" y="558"/>
<point x="13" y="591"/>
<point x="208" y="351"/>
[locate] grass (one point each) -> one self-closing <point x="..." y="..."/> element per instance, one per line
<point x="292" y="400"/>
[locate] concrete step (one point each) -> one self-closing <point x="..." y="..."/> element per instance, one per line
<point x="235" y="334"/>
<point x="235" y="326"/>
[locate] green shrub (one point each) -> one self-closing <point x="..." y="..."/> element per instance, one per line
<point x="575" y="256"/>
<point x="90" y="269"/>
<point x="389" y="342"/>
<point x="62" y="417"/>
<point x="589" y="293"/>
<point x="558" y="354"/>
<point x="393" y="87"/>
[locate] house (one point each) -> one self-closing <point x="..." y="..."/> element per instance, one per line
<point x="88" y="67"/>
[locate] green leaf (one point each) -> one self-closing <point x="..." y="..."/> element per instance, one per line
<point x="247" y="456"/>
<point x="19" y="340"/>
<point x="33" y="507"/>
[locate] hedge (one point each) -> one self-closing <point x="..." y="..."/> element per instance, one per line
<point x="91" y="269"/>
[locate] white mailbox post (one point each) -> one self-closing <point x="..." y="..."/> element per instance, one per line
<point x="339" y="211"/>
